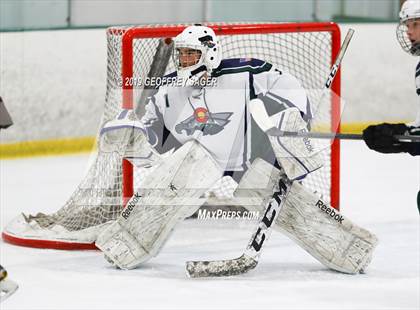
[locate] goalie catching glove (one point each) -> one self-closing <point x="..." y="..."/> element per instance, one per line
<point x="127" y="136"/>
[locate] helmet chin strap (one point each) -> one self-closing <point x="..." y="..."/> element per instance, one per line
<point x="194" y="76"/>
<point x="198" y="70"/>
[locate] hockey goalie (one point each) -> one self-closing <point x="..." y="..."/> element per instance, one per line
<point x="208" y="129"/>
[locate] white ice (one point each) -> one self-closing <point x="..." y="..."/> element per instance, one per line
<point x="377" y="191"/>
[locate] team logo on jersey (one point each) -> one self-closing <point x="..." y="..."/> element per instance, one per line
<point x="205" y="121"/>
<point x="201" y="115"/>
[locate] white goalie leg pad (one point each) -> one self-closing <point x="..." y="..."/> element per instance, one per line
<point x="172" y="192"/>
<point x="297" y="156"/>
<point x="324" y="233"/>
<point x="257" y="185"/>
<point x="223" y="189"/>
<point x="319" y="229"/>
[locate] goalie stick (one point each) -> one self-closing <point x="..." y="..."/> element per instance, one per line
<point x="341" y="136"/>
<point x="249" y="259"/>
<point x="157" y="69"/>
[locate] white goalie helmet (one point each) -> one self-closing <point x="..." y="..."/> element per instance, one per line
<point x="410" y="10"/>
<point x="199" y="38"/>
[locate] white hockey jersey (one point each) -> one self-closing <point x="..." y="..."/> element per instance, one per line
<point x="218" y="116"/>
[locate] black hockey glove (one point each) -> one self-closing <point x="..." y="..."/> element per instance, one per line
<point x="380" y="138"/>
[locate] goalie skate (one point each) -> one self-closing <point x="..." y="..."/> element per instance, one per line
<point x="170" y="194"/>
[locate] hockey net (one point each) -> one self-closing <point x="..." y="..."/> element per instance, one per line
<point x="306" y="50"/>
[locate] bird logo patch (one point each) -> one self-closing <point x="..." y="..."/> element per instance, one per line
<point x="204" y="121"/>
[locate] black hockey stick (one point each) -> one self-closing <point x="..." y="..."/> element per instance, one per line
<point x="249" y="259"/>
<point x="320" y="135"/>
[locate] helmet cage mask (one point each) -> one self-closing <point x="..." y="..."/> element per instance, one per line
<point x="186" y="71"/>
<point x="410" y="11"/>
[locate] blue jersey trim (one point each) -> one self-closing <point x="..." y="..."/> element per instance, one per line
<point x="237" y="65"/>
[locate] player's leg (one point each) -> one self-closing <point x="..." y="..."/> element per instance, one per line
<point x="171" y="193"/>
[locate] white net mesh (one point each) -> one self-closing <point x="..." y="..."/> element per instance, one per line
<point x="98" y="198"/>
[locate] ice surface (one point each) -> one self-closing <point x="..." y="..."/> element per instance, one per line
<point x="378" y="193"/>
